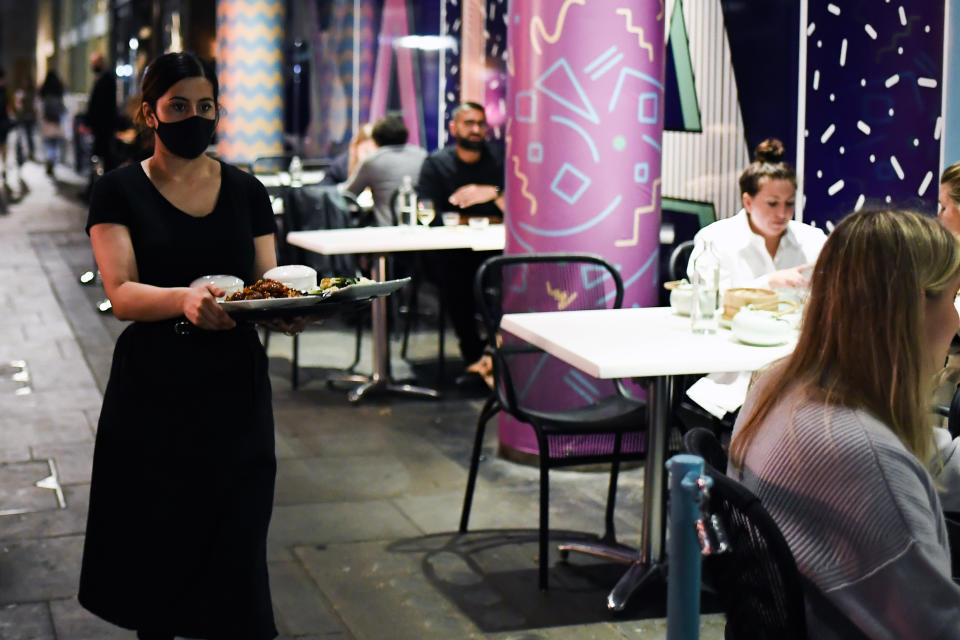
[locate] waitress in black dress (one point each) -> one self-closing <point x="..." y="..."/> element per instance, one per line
<point x="183" y="470"/>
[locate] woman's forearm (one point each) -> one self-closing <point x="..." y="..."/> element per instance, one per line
<point x="147" y="303"/>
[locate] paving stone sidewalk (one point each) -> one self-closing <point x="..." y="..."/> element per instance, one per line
<point x="362" y="542"/>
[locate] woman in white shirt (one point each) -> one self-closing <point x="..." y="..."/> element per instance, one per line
<point x="762" y="245"/>
<point x="836" y="440"/>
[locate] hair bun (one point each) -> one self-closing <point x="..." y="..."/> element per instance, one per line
<point x="770" y="150"/>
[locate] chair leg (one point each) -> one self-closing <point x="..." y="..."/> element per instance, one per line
<point x="610" y="533"/>
<point x="441" y="339"/>
<point x="490" y="408"/>
<point x="295" y="363"/>
<point x="266" y="339"/>
<point x="413" y="308"/>
<point x="356" y="351"/>
<point x="544" y="533"/>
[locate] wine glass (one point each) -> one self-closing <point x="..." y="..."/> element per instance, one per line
<point x="425" y="212"/>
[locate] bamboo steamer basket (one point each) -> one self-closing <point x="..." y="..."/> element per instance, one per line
<point x="737" y="298"/>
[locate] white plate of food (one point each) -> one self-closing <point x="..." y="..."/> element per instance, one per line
<point x="269" y="303"/>
<point x="351" y="289"/>
<point x="267" y="294"/>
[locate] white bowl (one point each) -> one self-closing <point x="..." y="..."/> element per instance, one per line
<point x="450" y="218"/>
<point x="296" y="276"/>
<point x="759" y="327"/>
<point x="226" y="282"/>
<point x="478" y="222"/>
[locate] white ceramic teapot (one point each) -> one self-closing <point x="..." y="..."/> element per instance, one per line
<point x="761" y="327"/>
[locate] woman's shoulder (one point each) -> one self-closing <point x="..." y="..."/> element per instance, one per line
<point x="806" y="231"/>
<point x="124" y="177"/>
<point x="725" y="230"/>
<point x="236" y="176"/>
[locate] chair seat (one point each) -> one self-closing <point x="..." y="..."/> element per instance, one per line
<point x="614" y="413"/>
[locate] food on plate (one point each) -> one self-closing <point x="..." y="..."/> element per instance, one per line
<point x="262" y="289"/>
<point x="339" y="282"/>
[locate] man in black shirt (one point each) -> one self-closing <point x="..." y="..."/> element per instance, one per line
<point x="466" y="177"/>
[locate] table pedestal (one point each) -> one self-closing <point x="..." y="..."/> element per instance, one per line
<point x="648" y="563"/>
<point x="380" y="379"/>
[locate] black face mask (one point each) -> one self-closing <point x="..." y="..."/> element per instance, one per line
<point x="186" y="138"/>
<point x="469" y="145"/>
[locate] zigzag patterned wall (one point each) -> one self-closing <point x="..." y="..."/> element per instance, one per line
<point x="250" y="36"/>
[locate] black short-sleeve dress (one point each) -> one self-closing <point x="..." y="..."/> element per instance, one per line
<point x="184" y="466"/>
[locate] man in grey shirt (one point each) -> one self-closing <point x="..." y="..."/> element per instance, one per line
<point x="384" y="169"/>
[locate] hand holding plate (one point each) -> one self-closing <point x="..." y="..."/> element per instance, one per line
<point x="201" y="308"/>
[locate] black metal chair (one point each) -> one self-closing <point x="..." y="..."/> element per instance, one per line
<point x="319" y="207"/>
<point x="592" y="421"/>
<point x="951" y="413"/>
<point x="757" y="583"/>
<point x="679" y="257"/>
<point x="702" y="442"/>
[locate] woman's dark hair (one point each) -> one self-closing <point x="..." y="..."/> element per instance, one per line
<point x="52" y="85"/>
<point x="768" y="165"/>
<point x="168" y="70"/>
<point x="389" y="130"/>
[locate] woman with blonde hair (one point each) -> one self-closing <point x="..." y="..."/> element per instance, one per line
<point x="836" y="439"/>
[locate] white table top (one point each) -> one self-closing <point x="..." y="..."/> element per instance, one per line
<point x="394" y="239"/>
<point x="623" y="343"/>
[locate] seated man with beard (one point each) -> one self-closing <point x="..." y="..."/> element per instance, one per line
<point x="466" y="177"/>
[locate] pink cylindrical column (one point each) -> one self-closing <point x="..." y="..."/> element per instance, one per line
<point x="583" y="139"/>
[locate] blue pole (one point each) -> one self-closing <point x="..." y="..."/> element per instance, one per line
<point x="683" y="577"/>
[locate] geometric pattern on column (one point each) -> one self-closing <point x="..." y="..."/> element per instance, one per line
<point x="250" y="35"/>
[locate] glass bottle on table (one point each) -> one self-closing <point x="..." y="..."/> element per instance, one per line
<point x="406" y="204"/>
<point x="296" y="171"/>
<point x="705" y="303"/>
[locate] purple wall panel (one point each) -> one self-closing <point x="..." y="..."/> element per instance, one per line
<point x="873" y="99"/>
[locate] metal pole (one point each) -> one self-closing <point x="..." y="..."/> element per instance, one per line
<point x="683" y="576"/>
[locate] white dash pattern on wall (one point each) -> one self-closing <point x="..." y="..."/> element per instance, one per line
<point x="863" y="126"/>
<point x="843" y="52"/>
<point x="926" y="183"/>
<point x="870" y="31"/>
<point x="928" y="83"/>
<point x="892" y="80"/>
<point x="835" y="187"/>
<point x="896" y="166"/>
<point x="860" y="201"/>
<point x="834" y="9"/>
<point x="829" y="132"/>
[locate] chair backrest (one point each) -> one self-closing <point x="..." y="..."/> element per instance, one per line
<point x="679" y="257"/>
<point x="319" y="207"/>
<point x="953" y="418"/>
<point x="702" y="442"/>
<point x="757" y="581"/>
<point x="542" y="282"/>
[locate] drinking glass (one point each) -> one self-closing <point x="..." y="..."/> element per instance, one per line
<point x="425" y="212"/>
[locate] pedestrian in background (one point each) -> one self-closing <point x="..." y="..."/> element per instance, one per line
<point x="101" y="114"/>
<point x="52" y="110"/>
<point x="6" y="125"/>
<point x="25" y="111"/>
